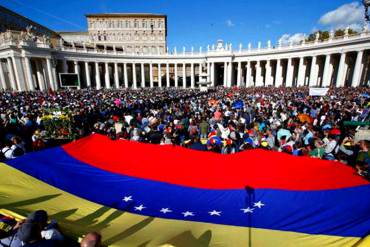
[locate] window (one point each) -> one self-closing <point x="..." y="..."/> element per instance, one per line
<point x="127" y="24"/>
<point x="136" y="24"/>
<point x="144" y="24"/>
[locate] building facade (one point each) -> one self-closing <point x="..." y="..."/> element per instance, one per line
<point x="28" y="64"/>
<point x="131" y="33"/>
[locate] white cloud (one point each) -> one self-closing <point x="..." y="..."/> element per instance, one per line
<point x="229" y="23"/>
<point x="294" y="38"/>
<point x="348" y="15"/>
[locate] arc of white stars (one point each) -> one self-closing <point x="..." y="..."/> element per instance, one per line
<point x="187" y="214"/>
<point x="165" y="210"/>
<point x="127" y="198"/>
<point x="247" y="210"/>
<point x="140" y="208"/>
<point x="215" y="213"/>
<point x="258" y="204"/>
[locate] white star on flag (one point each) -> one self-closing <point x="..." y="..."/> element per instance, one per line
<point x="247" y="210"/>
<point x="215" y="213"/>
<point x="259" y="204"/>
<point x="166" y="210"/>
<point x="140" y="208"/>
<point x="187" y="213"/>
<point x="127" y="198"/>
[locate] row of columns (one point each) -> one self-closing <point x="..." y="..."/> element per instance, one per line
<point x="25" y="73"/>
<point x="17" y="74"/>
<point x="268" y="79"/>
<point x="135" y="85"/>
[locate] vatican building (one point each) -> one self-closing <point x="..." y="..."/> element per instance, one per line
<point x="129" y="50"/>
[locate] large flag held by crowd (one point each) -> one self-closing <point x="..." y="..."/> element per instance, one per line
<point x="148" y="195"/>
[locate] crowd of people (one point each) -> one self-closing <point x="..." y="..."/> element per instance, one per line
<point x="220" y="120"/>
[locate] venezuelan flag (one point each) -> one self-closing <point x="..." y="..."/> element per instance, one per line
<point x="147" y="195"/>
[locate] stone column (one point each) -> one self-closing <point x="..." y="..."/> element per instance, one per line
<point x="106" y="76"/>
<point x="342" y="70"/>
<point x="31" y="86"/>
<point x="176" y="76"/>
<point x="248" y="77"/>
<point x="279" y="74"/>
<point x="40" y="76"/>
<point x="159" y="75"/>
<point x="192" y="76"/>
<point x="208" y="72"/>
<point x="239" y="79"/>
<point x="268" y="78"/>
<point x="134" y="86"/>
<point x="125" y="76"/>
<point x="313" y="72"/>
<point x="167" y="75"/>
<point x="11" y="74"/>
<point x="77" y="71"/>
<point x="230" y="74"/>
<point x="301" y="72"/>
<point x="142" y="75"/>
<point x="151" y="75"/>
<point x="358" y="69"/>
<point x="225" y="73"/>
<point x="184" y="76"/>
<point x="326" y="75"/>
<point x="87" y="71"/>
<point x="2" y="77"/>
<point x="213" y="74"/>
<point x="50" y="74"/>
<point x="116" y="75"/>
<point x="259" y="78"/>
<point x="18" y="73"/>
<point x="290" y="71"/>
<point x="65" y="66"/>
<point x="97" y="76"/>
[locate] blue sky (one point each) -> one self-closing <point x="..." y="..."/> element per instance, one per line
<point x="201" y="22"/>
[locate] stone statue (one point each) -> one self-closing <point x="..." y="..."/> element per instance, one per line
<point x="317" y="36"/>
<point x="346" y="32"/>
<point x="331" y="34"/>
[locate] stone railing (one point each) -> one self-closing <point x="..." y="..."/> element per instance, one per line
<point x="28" y="39"/>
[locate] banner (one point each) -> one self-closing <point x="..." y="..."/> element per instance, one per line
<point x="318" y="91"/>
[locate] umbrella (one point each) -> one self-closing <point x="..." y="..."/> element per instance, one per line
<point x="283" y="132"/>
<point x="305" y="118"/>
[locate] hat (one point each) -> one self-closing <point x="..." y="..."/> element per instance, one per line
<point x="264" y="144"/>
<point x="39" y="216"/>
<point x="335" y="132"/>
<point x="29" y="231"/>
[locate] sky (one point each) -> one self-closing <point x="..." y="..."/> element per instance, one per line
<point x="202" y="22"/>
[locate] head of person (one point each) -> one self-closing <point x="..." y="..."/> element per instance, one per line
<point x="29" y="232"/>
<point x="92" y="239"/>
<point x="39" y="217"/>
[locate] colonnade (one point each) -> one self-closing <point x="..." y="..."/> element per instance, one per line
<point x="349" y="68"/>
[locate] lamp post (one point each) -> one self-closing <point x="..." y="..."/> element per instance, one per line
<point x="366" y="4"/>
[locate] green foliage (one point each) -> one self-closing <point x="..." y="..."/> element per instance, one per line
<point x="325" y="35"/>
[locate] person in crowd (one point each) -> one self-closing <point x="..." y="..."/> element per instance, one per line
<point x="92" y="239"/>
<point x="278" y="119"/>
